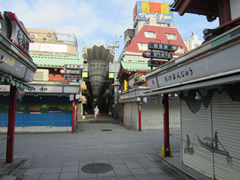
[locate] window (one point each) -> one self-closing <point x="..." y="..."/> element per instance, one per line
<point x="180" y="50"/>
<point x="171" y="36"/>
<point x="142" y="46"/>
<point x="149" y="34"/>
<point x="196" y="45"/>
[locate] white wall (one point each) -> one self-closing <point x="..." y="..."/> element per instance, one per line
<point x="235" y="11"/>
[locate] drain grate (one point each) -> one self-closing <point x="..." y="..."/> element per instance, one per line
<point x="106" y="130"/>
<point x="97" y="168"/>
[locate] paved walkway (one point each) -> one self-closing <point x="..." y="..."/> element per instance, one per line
<point x="60" y="156"/>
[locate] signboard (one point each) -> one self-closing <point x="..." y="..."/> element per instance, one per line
<point x="143" y="10"/>
<point x="162" y="47"/>
<point x="85" y="74"/>
<point x="77" y="77"/>
<point x="73" y="66"/>
<point x="154" y="63"/>
<point x="111" y="75"/>
<point x="157" y="55"/>
<point x="4" y="88"/>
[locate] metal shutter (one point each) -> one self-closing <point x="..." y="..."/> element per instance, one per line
<point x="226" y="122"/>
<point x="134" y="119"/>
<point x="152" y="114"/>
<point x="196" y="123"/>
<point x="127" y="116"/>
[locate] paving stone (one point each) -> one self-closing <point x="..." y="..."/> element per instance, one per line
<point x="68" y="176"/>
<point x="52" y="170"/>
<point x="32" y="177"/>
<point x="138" y="171"/>
<point x="49" y="176"/>
<point x="34" y="171"/>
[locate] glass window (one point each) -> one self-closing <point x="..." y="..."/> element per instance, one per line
<point x="150" y="34"/>
<point x="171" y="36"/>
<point x="180" y="50"/>
<point x="142" y="46"/>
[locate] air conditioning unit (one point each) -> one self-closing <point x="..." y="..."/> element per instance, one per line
<point x="46" y="39"/>
<point x="41" y="75"/>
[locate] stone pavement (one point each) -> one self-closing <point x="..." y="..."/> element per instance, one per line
<point x="59" y="156"/>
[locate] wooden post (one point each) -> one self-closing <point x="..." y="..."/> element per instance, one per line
<point x="11" y="124"/>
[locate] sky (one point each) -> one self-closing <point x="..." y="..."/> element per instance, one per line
<point x="94" y="20"/>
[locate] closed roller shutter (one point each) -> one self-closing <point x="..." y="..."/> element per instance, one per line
<point x="127" y="114"/>
<point x="226" y="125"/>
<point x="196" y="126"/>
<point x="134" y="120"/>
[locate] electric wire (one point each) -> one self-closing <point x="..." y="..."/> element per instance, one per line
<point x="116" y="19"/>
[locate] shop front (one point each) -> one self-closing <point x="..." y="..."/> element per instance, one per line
<point x="207" y="81"/>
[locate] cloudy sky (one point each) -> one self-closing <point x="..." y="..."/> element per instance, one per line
<point x="93" y="20"/>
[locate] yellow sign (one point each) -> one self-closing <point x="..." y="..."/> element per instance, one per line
<point x="111" y="75"/>
<point x="85" y="74"/>
<point x="155" y="7"/>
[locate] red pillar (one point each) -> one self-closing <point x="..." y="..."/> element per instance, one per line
<point x="73" y="116"/>
<point x="166" y="124"/>
<point x="11" y="124"/>
<point x="122" y="113"/>
<point x="224" y="11"/>
<point x="139" y="116"/>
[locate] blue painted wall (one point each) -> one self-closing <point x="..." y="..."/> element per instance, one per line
<point x="45" y="111"/>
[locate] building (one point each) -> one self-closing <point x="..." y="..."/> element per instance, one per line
<point x="207" y="84"/>
<point x="53" y="102"/>
<point x="153" y="23"/>
<point x="193" y="42"/>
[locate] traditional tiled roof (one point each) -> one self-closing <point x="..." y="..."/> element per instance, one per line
<point x="55" y="61"/>
<point x="135" y="65"/>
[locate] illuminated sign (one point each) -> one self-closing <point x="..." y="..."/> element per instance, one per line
<point x="71" y="77"/>
<point x="111" y="75"/>
<point x="154" y="63"/>
<point x="143" y="10"/>
<point x="85" y="74"/>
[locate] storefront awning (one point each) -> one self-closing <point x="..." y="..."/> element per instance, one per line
<point x="9" y="80"/>
<point x="198" y="83"/>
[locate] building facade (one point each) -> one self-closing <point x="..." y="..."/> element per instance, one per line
<point x="153" y="23"/>
<point x="207" y="83"/>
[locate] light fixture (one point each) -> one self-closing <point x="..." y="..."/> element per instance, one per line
<point x="198" y="96"/>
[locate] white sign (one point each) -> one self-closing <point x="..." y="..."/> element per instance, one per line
<point x="4" y="88"/>
<point x="71" y="97"/>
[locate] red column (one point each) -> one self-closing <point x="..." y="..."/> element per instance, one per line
<point x="73" y="116"/>
<point x="224" y="12"/>
<point x="166" y="124"/>
<point x="11" y="124"/>
<point x="139" y="116"/>
<point x="122" y="113"/>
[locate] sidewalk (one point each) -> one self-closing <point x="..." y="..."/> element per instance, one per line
<point x="59" y="156"/>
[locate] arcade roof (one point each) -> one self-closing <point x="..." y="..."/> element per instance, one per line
<point x="53" y="61"/>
